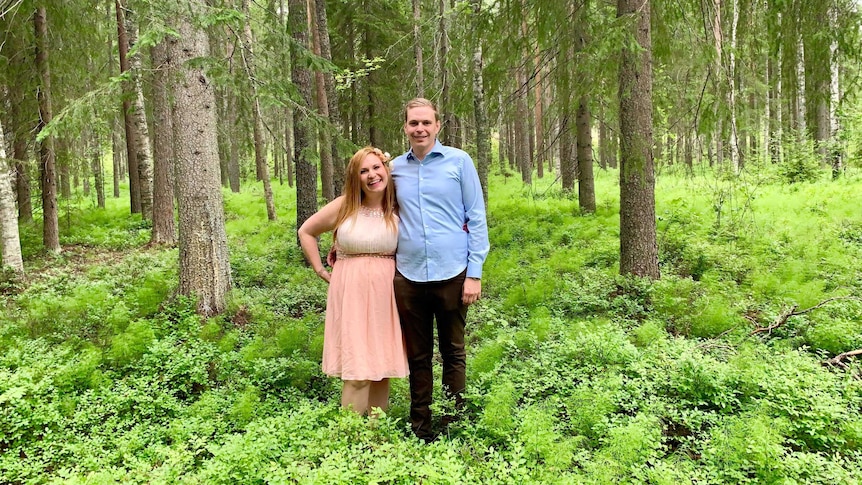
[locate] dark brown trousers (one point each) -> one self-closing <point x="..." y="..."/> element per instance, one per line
<point x="418" y="306"/>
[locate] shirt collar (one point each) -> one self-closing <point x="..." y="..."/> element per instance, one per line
<point x="437" y="149"/>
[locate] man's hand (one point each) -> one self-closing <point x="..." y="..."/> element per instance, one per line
<point x="331" y="255"/>
<point x="472" y="290"/>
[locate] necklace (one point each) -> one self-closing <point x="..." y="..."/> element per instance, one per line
<point x="367" y="211"/>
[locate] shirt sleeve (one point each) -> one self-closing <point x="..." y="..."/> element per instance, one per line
<point x="477" y="225"/>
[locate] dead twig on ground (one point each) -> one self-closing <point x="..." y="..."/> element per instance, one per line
<point x="791" y="311"/>
<point x="837" y="360"/>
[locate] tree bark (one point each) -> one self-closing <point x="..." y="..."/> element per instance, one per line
<point x="448" y="121"/>
<point x="19" y="153"/>
<point x="47" y="167"/>
<point x="139" y="117"/>
<point x="96" y="168"/>
<point x="586" y="182"/>
<point x="735" y="152"/>
<point x="539" y="132"/>
<point x="116" y="154"/>
<point x="324" y="137"/>
<point x="818" y="69"/>
<point x="204" y="268"/>
<point x="232" y="123"/>
<point x="835" y="154"/>
<point x="63" y="158"/>
<point x="10" y="248"/>
<point x="638" y="246"/>
<point x="483" y="138"/>
<point x="417" y="48"/>
<point x="257" y="121"/>
<point x="306" y="174"/>
<point x="789" y="62"/>
<point x="522" y="129"/>
<point x="568" y="165"/>
<point x="338" y="164"/>
<point x="164" y="231"/>
<point x="128" y="118"/>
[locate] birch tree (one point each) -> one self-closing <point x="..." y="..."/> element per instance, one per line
<point x="10" y="248"/>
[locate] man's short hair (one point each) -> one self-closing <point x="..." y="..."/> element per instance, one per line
<point x="421" y="103"/>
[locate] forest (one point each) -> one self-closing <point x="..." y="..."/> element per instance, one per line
<point x="673" y="292"/>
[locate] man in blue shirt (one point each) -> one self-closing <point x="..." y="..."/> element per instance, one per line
<point x="442" y="245"/>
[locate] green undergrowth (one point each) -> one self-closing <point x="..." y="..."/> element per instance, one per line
<point x="716" y="373"/>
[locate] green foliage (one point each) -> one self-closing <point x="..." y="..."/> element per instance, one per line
<point x="800" y="163"/>
<point x="747" y="449"/>
<point x="575" y="374"/>
<point x="131" y="344"/>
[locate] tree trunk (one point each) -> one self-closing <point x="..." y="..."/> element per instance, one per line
<point x="204" y="267"/>
<point x="327" y="180"/>
<point x="113" y="122"/>
<point x="139" y="116"/>
<point x="735" y="155"/>
<point x="131" y="136"/>
<point x="10" y="248"/>
<point x="306" y="174"/>
<point x="638" y="246"/>
<point x="417" y="48"/>
<point x="539" y="132"/>
<point x="773" y="127"/>
<point x="257" y="118"/>
<point x="522" y="129"/>
<point x="789" y="78"/>
<point x="218" y="50"/>
<point x="483" y="139"/>
<point x="447" y="136"/>
<point x="19" y="153"/>
<point x="233" y="159"/>
<point x="96" y="168"/>
<point x="835" y="154"/>
<point x="288" y="146"/>
<point x="818" y="69"/>
<point x="164" y="231"/>
<point x="586" y="183"/>
<point x="47" y="167"/>
<point x="338" y="166"/>
<point x="568" y="165"/>
<point x="63" y="159"/>
<point x="116" y="154"/>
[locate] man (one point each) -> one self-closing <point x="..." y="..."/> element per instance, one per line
<point x="442" y="245"/>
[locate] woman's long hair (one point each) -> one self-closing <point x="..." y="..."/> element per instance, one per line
<point x="353" y="195"/>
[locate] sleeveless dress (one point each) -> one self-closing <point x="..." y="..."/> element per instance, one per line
<point x="362" y="335"/>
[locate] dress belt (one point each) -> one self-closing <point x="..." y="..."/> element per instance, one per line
<point x="340" y="255"/>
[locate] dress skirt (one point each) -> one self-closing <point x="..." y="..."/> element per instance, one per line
<point x="362" y="337"/>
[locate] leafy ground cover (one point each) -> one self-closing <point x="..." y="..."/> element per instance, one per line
<point x="714" y="374"/>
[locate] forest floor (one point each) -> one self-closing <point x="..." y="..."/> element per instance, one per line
<point x="575" y="373"/>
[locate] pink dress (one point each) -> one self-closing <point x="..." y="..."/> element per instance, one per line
<point x="362" y="337"/>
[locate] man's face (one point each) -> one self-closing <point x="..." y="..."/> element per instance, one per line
<point x="421" y="128"/>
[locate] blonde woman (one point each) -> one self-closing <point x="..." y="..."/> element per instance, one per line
<point x="362" y="341"/>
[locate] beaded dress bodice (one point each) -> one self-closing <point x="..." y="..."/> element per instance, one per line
<point x="366" y="233"/>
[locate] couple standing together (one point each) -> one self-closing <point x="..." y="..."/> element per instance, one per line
<point x="408" y="255"/>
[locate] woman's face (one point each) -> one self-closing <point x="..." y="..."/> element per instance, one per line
<point x="373" y="176"/>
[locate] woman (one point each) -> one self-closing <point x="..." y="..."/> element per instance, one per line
<point x="362" y="340"/>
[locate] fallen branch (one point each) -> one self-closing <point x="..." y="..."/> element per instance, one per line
<point x="782" y="318"/>
<point x="838" y="358"/>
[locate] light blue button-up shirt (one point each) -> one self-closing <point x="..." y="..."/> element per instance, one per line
<point x="437" y="196"/>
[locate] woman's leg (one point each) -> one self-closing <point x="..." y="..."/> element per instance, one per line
<point x="378" y="396"/>
<point x="355" y="395"/>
